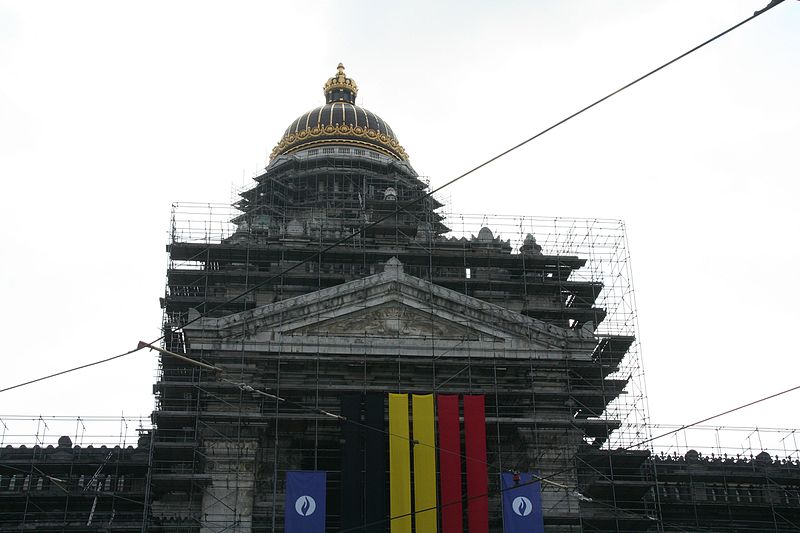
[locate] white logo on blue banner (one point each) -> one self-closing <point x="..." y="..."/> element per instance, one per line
<point x="522" y="506"/>
<point x="522" y="502"/>
<point x="305" y="505"/>
<point x="305" y="495"/>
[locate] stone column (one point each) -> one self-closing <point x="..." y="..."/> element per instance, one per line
<point x="228" y="500"/>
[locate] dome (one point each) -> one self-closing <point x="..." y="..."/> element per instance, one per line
<point x="340" y="121"/>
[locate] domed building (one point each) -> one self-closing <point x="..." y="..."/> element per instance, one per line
<point x="342" y="332"/>
<point x="339" y="285"/>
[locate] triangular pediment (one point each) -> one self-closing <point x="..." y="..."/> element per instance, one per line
<point x="389" y="304"/>
<point x="391" y="319"/>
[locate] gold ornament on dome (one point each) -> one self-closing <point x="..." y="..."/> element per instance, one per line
<point x="340" y="81"/>
<point x="374" y="139"/>
<point x="352" y="134"/>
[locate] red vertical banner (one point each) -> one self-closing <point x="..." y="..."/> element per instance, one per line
<point x="449" y="463"/>
<point x="477" y="472"/>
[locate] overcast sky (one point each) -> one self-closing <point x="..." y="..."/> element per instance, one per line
<point x="110" y="111"/>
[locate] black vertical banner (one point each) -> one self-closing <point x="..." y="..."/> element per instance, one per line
<point x="352" y="463"/>
<point x="375" y="444"/>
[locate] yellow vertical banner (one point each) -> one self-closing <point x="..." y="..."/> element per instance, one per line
<point x="424" y="463"/>
<point x="399" y="465"/>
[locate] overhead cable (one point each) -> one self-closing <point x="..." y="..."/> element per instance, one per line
<point x="405" y="206"/>
<point x="411" y="203"/>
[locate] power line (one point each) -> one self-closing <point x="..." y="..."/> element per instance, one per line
<point x="245" y="387"/>
<point x="61" y="373"/>
<point x="575" y="493"/>
<point x="754" y="402"/>
<point x="411" y="203"/>
<point x="546" y="479"/>
<point x="402" y="208"/>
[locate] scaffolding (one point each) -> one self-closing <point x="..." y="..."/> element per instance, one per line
<point x="95" y="430"/>
<point x="217" y="455"/>
<point x="608" y="296"/>
<point x="542" y="412"/>
<point x="715" y="478"/>
<point x="723" y="441"/>
<point x="62" y="473"/>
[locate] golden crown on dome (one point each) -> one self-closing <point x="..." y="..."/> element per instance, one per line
<point x="340" y="81"/>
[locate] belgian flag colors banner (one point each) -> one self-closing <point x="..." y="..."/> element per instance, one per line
<point x="424" y="453"/>
<point x="421" y="419"/>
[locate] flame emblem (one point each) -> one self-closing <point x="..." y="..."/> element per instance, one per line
<point x="305" y="505"/>
<point x="522" y="506"/>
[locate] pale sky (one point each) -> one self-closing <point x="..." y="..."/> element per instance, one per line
<point x="111" y="111"/>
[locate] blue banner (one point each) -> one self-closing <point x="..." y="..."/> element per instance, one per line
<point x="305" y="502"/>
<point x="522" y="503"/>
